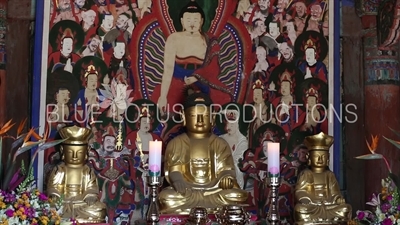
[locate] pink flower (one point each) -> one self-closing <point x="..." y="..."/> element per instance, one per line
<point x="154" y="168"/>
<point x="42" y="197"/>
<point x="387" y="221"/>
<point x="10" y="212"/>
<point x="360" y="215"/>
<point x="274" y="170"/>
<point x="389" y="197"/>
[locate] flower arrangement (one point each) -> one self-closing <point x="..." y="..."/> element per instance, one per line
<point x="20" y="201"/>
<point x="386" y="203"/>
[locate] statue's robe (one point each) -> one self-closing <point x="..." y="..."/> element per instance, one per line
<point x="74" y="195"/>
<point x="323" y="197"/>
<point x="202" y="183"/>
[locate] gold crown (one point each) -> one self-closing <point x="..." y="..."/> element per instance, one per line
<point x="258" y="85"/>
<point x="321" y="142"/>
<point x="91" y="70"/>
<point x="286" y="76"/>
<point x="76" y="135"/>
<point x="310" y="44"/>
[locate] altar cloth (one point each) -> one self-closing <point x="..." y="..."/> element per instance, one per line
<point x="170" y="219"/>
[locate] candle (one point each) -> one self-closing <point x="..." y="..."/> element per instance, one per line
<point x="273" y="158"/>
<point x="155" y="158"/>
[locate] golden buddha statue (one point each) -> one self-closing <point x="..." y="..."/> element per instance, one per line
<point x="75" y="182"/>
<point x="317" y="196"/>
<point x="199" y="165"/>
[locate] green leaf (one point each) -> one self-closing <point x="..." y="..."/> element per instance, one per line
<point x="370" y="156"/>
<point x="50" y="144"/>
<point x="395" y="143"/>
<point x="394" y="131"/>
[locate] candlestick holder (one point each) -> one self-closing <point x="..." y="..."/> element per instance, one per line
<point x="153" y="213"/>
<point x="274" y="182"/>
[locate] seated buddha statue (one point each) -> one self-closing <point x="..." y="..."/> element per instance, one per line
<point x="199" y="165"/>
<point x="74" y="181"/>
<point x="317" y="194"/>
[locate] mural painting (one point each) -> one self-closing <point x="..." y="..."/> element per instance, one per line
<point x="123" y="68"/>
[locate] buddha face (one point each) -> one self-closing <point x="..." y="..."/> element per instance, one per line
<point x="62" y="96"/>
<point x="263" y="4"/>
<point x="91" y="81"/>
<point x="290" y="27"/>
<point x="75" y="154"/>
<point x="94" y="44"/>
<point x="273" y="29"/>
<point x="80" y="3"/>
<point x="319" y="159"/>
<point x="300" y="9"/>
<point x="316" y="12"/>
<point x="232" y="127"/>
<point x="67" y="45"/>
<point x="261" y="53"/>
<point x="259" y="27"/>
<point x="198" y="119"/>
<point x="311" y="102"/>
<point x="285" y="88"/>
<point x="108" y="22"/>
<point x="286" y="51"/>
<point x="89" y="16"/>
<point x="310" y="55"/>
<point x="109" y="143"/>
<point x="119" y="50"/>
<point x="192" y="22"/>
<point x="122" y="21"/>
<point x="145" y="124"/>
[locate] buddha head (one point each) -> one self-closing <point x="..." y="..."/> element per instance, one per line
<point x="192" y="17"/>
<point x="75" y="148"/>
<point x="318" y="151"/>
<point x="198" y="117"/>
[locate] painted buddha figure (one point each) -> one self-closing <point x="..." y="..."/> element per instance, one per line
<point x="199" y="165"/>
<point x="74" y="181"/>
<point x="317" y="195"/>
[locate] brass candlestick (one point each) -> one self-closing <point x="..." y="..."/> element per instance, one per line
<point x="153" y="213"/>
<point x="274" y="182"/>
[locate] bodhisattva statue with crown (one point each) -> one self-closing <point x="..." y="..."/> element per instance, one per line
<point x="317" y="195"/>
<point x="199" y="165"/>
<point x="74" y="181"/>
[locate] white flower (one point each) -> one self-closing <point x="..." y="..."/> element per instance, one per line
<point x="381" y="216"/>
<point x="391" y="217"/>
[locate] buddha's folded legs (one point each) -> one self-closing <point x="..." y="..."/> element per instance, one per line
<point x="85" y="213"/>
<point x="313" y="213"/>
<point x="173" y="202"/>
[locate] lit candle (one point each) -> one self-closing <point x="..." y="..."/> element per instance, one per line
<point x="273" y="158"/>
<point x="155" y="158"/>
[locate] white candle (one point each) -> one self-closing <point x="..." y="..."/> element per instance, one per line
<point x="273" y="158"/>
<point x="155" y="148"/>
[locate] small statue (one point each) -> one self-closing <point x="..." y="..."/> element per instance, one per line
<point x="317" y="195"/>
<point x="199" y="165"/>
<point x="75" y="182"/>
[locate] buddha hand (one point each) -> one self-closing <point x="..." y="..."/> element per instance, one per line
<point x="90" y="200"/>
<point x="227" y="182"/>
<point x="178" y="183"/>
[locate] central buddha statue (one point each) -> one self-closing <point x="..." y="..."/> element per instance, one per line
<point x="74" y="181"/>
<point x="199" y="165"/>
<point x="318" y="198"/>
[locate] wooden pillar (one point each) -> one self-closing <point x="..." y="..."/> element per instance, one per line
<point x="19" y="73"/>
<point x="3" y="82"/>
<point x="353" y="94"/>
<point x="382" y="108"/>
